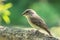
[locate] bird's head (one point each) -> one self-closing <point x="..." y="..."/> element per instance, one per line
<point x="28" y="12"/>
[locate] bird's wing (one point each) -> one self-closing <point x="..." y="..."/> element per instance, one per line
<point x="38" y="22"/>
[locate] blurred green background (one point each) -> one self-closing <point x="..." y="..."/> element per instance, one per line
<point x="49" y="10"/>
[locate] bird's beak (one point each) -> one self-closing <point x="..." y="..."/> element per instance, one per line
<point x="23" y="13"/>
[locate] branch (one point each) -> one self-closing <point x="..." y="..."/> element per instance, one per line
<point x="23" y="34"/>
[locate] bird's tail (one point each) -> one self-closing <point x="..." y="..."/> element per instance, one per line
<point x="48" y="32"/>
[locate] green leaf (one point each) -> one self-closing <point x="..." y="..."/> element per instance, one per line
<point x="6" y="12"/>
<point x="7" y="6"/>
<point x="6" y="19"/>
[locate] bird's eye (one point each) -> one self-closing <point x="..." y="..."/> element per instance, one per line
<point x="27" y="11"/>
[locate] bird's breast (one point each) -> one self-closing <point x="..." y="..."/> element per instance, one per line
<point x="32" y="24"/>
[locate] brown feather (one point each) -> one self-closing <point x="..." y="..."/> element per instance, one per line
<point x="40" y="23"/>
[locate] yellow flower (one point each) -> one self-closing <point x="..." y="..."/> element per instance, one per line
<point x="4" y="12"/>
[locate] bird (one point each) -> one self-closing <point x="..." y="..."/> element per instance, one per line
<point x="35" y="20"/>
